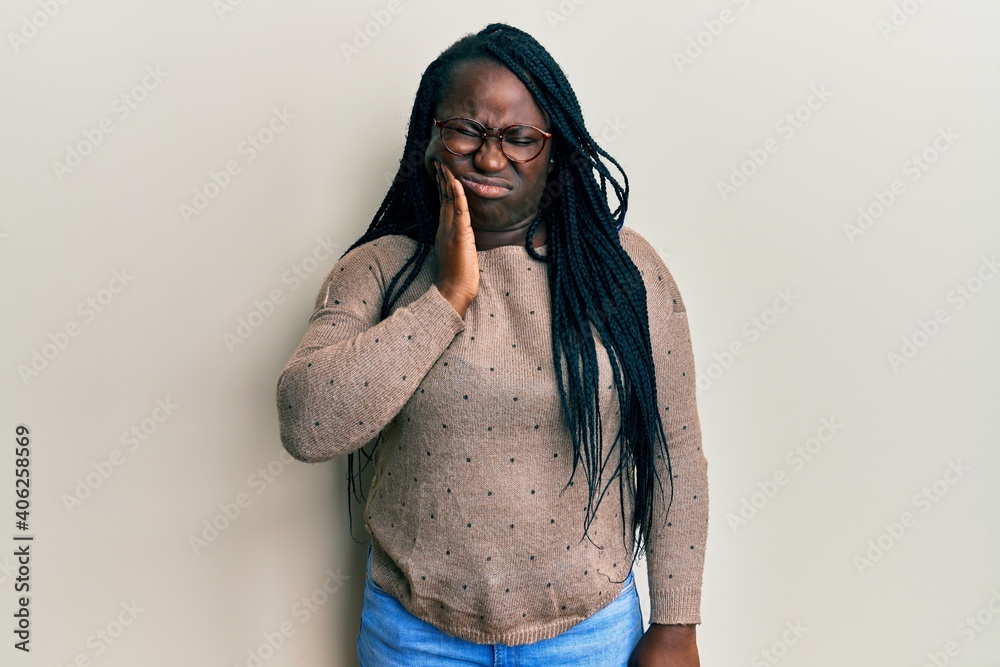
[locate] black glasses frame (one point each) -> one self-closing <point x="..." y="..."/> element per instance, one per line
<point x="498" y="132"/>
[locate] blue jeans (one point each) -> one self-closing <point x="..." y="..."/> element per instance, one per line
<point x="390" y="636"/>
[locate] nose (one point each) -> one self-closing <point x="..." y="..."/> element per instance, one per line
<point x="489" y="157"/>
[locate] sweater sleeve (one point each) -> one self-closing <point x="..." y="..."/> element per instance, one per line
<point x="675" y="553"/>
<point x="352" y="373"/>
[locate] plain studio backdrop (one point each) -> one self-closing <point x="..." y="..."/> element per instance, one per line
<point x="178" y="178"/>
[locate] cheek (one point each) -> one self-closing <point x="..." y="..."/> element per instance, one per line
<point x="536" y="178"/>
<point x="429" y="155"/>
<point x="436" y="153"/>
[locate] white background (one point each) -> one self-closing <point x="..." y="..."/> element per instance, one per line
<point x="680" y="128"/>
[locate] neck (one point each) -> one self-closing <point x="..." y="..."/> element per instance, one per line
<point x="487" y="239"/>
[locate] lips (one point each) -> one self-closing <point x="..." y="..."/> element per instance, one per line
<point x="485" y="186"/>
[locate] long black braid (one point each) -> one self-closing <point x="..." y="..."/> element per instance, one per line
<point x="594" y="285"/>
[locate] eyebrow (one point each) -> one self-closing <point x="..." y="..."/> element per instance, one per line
<point x="474" y="111"/>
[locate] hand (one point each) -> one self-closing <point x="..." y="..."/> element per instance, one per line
<point x="455" y="243"/>
<point x="666" y="646"/>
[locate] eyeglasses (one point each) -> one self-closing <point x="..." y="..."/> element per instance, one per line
<point x="519" y="143"/>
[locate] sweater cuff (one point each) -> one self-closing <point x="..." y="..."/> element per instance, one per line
<point x="679" y="606"/>
<point x="436" y="316"/>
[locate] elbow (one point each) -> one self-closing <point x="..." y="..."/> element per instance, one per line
<point x="297" y="435"/>
<point x="300" y="453"/>
<point x="304" y="444"/>
<point x="299" y="438"/>
<point x="313" y="429"/>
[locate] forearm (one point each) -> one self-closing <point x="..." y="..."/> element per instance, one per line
<point x="676" y="550"/>
<point x="336" y="394"/>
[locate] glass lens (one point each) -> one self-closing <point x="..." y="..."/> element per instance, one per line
<point x="462" y="136"/>
<point x="522" y="142"/>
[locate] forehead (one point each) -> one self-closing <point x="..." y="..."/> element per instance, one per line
<point x="490" y="93"/>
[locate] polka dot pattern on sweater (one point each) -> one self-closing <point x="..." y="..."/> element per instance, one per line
<point x="486" y="538"/>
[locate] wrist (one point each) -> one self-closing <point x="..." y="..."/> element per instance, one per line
<point x="459" y="303"/>
<point x="673" y="634"/>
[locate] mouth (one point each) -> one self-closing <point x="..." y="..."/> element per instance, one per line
<point x="485" y="187"/>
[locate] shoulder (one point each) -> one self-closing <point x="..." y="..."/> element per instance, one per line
<point x="385" y="249"/>
<point x="383" y="256"/>
<point x="635" y="244"/>
<point x="660" y="283"/>
<point x="369" y="266"/>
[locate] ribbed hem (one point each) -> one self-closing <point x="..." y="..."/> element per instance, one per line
<point x="382" y="571"/>
<point x="681" y="606"/>
<point x="517" y="638"/>
<point x="439" y="319"/>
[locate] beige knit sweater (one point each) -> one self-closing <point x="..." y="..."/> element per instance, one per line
<point x="471" y="527"/>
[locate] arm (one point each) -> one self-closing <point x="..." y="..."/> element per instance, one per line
<point x="676" y="549"/>
<point x="351" y="373"/>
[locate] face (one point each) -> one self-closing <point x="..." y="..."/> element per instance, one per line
<point x="488" y="92"/>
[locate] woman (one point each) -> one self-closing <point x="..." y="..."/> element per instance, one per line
<point x="468" y="337"/>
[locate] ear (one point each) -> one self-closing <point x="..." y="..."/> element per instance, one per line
<point x="552" y="164"/>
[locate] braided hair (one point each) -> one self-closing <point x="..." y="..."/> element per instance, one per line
<point x="594" y="285"/>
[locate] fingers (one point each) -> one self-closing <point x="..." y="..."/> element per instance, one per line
<point x="437" y="180"/>
<point x="458" y="194"/>
<point x="454" y="205"/>
<point x="441" y="182"/>
<point x="444" y="186"/>
<point x="453" y="189"/>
